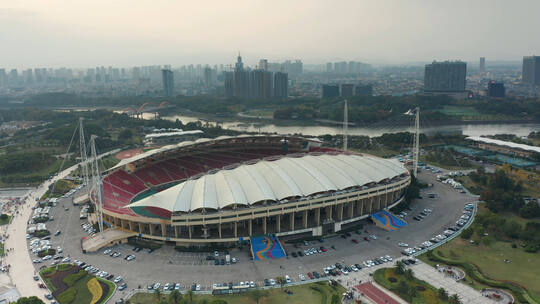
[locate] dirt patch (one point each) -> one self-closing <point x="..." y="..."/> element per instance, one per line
<point x="57" y="279"/>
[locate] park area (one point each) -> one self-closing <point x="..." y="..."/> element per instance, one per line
<point x="69" y="284"/>
<point x="320" y="292"/>
<point x="407" y="287"/>
<point x="492" y="265"/>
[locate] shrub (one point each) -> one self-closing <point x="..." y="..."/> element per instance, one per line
<point x="67" y="296"/>
<point x="74" y="277"/>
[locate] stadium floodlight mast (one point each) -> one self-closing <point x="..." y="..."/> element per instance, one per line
<point x="97" y="185"/>
<point x="84" y="159"/>
<point x="416" y="147"/>
<point x="345" y="126"/>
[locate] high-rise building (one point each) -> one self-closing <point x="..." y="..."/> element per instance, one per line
<point x="347" y="90"/>
<point x="3" y="78"/>
<point x="229" y="84"/>
<point x="447" y="76"/>
<point x="281" y="85"/>
<point x="330" y="90"/>
<point x="168" y="82"/>
<point x="363" y="90"/>
<point x="482" y="66"/>
<point x="263" y="64"/>
<point x="531" y="70"/>
<point x="329" y="67"/>
<point x="496" y="89"/>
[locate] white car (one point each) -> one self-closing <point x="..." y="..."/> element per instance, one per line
<point x="177" y="286"/>
<point x="403" y="245"/>
<point x="37" y="261"/>
<point x="287" y="278"/>
<point x="272" y="282"/>
<point x="388" y="258"/>
<point x="354" y="268"/>
<point x="118" y="279"/>
<point x="157" y="286"/>
<point x="66" y="260"/>
<point x="107" y="251"/>
<point x="252" y="284"/>
<point x="47" y="257"/>
<point x="302" y="277"/>
<point x="198" y="287"/>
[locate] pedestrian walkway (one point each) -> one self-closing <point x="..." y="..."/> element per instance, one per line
<point x="423" y="272"/>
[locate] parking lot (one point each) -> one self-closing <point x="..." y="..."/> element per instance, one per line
<point x="166" y="265"/>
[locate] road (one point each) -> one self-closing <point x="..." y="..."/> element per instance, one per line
<point x="168" y="265"/>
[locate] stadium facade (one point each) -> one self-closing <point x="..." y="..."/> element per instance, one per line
<point x="231" y="188"/>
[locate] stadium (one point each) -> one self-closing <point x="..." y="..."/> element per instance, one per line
<point x="228" y="189"/>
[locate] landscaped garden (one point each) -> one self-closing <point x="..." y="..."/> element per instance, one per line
<point x="69" y="284"/>
<point x="402" y="282"/>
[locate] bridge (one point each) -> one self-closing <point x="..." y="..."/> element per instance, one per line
<point x="147" y="107"/>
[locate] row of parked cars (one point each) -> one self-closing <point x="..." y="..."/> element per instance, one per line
<point x="102" y="274"/>
<point x="449" y="231"/>
<point x="420" y="216"/>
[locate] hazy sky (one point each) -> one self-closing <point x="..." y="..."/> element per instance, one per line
<point x="79" y="33"/>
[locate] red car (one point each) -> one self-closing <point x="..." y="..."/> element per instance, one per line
<point x="41" y="285"/>
<point x="355" y="241"/>
<point x="366" y="238"/>
<point x="310" y="275"/>
<point x="323" y="249"/>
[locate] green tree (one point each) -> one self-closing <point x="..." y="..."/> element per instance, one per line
<point x="442" y="294"/>
<point x="30" y="300"/>
<point x="336" y="299"/>
<point x="189" y="295"/>
<point x="412" y="292"/>
<point x="400" y="267"/>
<point x="403" y="287"/>
<point x="454" y="299"/>
<point x="174" y="297"/>
<point x="157" y="294"/>
<point x="281" y="281"/>
<point x="467" y="233"/>
<point x="257" y="294"/>
<point x="409" y="274"/>
<point x="218" y="301"/>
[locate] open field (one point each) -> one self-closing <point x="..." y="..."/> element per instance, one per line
<point x="4" y="221"/>
<point x="300" y="294"/>
<point x="490" y="260"/>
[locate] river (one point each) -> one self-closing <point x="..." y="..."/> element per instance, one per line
<point x="519" y="129"/>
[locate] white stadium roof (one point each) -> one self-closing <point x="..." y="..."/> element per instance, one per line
<point x="273" y="180"/>
<point x="504" y="143"/>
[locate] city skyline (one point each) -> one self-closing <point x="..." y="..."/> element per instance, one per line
<point x="55" y="34"/>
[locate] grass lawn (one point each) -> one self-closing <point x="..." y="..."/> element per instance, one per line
<point x="522" y="268"/>
<point x="5" y="220"/>
<point x="1" y="249"/>
<point x="301" y="294"/>
<point x="428" y="295"/>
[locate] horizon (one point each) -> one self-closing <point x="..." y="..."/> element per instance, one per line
<point x="56" y="34"/>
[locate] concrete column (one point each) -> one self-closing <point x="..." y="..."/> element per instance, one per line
<point x="361" y="209"/>
<point x="318" y="216"/>
<point x="130" y="223"/>
<point x="219" y="229"/>
<point x="190" y="231"/>
<point x="371" y="204"/>
<point x="163" y="230"/>
<point x="235" y="229"/>
<point x="351" y="210"/>
<point x="151" y="228"/>
<point x="329" y="212"/>
<point x="140" y="227"/>
<point x="305" y="218"/>
<point x="175" y="231"/>
<point x="264" y="225"/>
<point x="278" y="223"/>
<point x="250" y="223"/>
<point x="340" y="212"/>
<point x="292" y="220"/>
